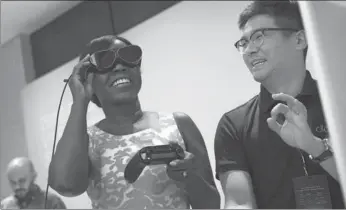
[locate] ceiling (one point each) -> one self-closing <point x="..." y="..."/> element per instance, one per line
<point x="341" y="3"/>
<point x="28" y="16"/>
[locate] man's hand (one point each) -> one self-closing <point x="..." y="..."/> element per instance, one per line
<point x="295" y="130"/>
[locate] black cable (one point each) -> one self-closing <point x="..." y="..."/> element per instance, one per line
<point x="111" y="15"/>
<point x="55" y="134"/>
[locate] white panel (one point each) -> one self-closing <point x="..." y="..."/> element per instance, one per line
<point x="28" y="16"/>
<point x="326" y="29"/>
<point x="12" y="130"/>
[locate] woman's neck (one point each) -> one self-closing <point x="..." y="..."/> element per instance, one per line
<point x="123" y="114"/>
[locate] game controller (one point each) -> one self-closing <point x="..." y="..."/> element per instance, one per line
<point x="152" y="155"/>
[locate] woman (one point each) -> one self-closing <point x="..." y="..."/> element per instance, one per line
<point x="94" y="159"/>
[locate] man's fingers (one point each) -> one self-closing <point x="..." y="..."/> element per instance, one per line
<point x="274" y="125"/>
<point x="300" y="108"/>
<point x="279" y="109"/>
<point x="294" y="104"/>
<point x="281" y="113"/>
<point x="285" y="98"/>
<point x="291" y="102"/>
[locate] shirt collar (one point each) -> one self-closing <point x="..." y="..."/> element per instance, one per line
<point x="309" y="89"/>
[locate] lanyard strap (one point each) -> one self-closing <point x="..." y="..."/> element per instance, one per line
<point x="304" y="163"/>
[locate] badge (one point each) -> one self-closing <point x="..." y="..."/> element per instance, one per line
<point x="312" y="192"/>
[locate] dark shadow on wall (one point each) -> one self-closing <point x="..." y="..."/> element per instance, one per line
<point x="62" y="39"/>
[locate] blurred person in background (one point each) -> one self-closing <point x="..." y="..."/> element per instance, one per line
<point x="27" y="195"/>
<point x="93" y="159"/>
<point x="271" y="151"/>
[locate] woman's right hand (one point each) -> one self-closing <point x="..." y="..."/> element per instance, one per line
<point x="80" y="82"/>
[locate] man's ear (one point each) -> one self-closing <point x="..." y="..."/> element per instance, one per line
<point x="301" y="40"/>
<point x="34" y="176"/>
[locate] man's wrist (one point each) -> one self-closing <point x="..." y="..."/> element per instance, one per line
<point x="315" y="148"/>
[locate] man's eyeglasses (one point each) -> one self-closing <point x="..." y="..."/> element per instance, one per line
<point x="257" y="38"/>
<point x="105" y="60"/>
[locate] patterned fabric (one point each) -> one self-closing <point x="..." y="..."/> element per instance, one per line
<point x="110" y="154"/>
<point x="35" y="200"/>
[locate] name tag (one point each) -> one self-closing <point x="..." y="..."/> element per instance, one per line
<point x="312" y="192"/>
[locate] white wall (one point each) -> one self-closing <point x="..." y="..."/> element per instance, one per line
<point x="329" y="50"/>
<point x="15" y="61"/>
<point x="189" y="65"/>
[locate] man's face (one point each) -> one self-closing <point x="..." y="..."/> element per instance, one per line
<point x="274" y="54"/>
<point x="21" y="180"/>
<point x="108" y="87"/>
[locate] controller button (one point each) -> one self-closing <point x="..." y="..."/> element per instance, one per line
<point x="144" y="156"/>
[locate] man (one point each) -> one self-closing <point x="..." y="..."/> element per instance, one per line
<point x="269" y="151"/>
<point x="27" y="195"/>
<point x="95" y="159"/>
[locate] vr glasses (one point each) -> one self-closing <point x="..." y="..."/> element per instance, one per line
<point x="105" y="60"/>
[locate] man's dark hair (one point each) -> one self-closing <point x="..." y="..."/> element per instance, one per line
<point x="286" y="14"/>
<point x="108" y="39"/>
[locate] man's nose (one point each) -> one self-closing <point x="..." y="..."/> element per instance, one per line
<point x="16" y="186"/>
<point x="251" y="49"/>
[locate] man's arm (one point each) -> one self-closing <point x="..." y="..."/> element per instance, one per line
<point x="232" y="168"/>
<point x="237" y="188"/>
<point x="201" y="179"/>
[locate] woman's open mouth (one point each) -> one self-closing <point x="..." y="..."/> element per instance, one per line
<point x="121" y="82"/>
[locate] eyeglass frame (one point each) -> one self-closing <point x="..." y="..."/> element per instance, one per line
<point x="250" y="41"/>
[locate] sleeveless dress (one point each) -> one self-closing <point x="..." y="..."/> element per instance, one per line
<point x="109" y="155"/>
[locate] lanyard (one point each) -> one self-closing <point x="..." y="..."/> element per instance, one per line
<point x="306" y="102"/>
<point x="304" y="163"/>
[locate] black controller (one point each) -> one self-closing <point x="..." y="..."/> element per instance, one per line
<point x="152" y="155"/>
